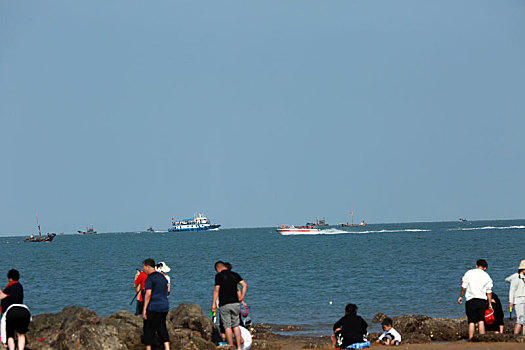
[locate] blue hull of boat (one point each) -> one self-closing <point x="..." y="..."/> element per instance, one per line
<point x="206" y="228"/>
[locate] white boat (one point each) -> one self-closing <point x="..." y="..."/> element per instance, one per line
<point x="292" y="230"/>
<point x="198" y="223"/>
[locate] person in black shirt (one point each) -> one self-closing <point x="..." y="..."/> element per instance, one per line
<point x="225" y="291"/>
<point x="499" y="323"/>
<point x="15" y="315"/>
<point x="350" y="329"/>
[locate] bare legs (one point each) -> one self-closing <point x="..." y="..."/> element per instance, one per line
<point x="21" y="340"/>
<point x="472" y="329"/>
<point x="238" y="338"/>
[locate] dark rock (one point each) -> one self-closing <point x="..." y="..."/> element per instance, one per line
<point x="379" y="317"/>
<point x="421" y="326"/>
<point x="498" y="337"/>
<point x="79" y="328"/>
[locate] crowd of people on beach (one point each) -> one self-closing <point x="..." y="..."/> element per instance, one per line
<point x="152" y="285"/>
<point x="482" y="306"/>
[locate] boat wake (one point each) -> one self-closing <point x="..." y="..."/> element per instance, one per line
<point x="335" y="231"/>
<point x="388" y="231"/>
<point x="329" y="231"/>
<point x="487" y="228"/>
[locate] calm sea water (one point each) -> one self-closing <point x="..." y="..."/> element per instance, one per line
<point x="392" y="268"/>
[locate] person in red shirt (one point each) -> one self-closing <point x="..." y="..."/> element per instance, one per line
<point x="138" y="284"/>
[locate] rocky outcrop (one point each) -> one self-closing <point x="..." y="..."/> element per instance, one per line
<point x="421" y="328"/>
<point x="79" y="328"/>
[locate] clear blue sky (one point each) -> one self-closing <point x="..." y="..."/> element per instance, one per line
<point x="124" y="114"/>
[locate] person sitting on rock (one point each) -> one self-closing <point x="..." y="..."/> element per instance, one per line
<point x="350" y="330"/>
<point x="390" y="336"/>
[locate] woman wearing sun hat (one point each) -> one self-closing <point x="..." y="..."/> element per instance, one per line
<point x="164" y="269"/>
<point x="517" y="297"/>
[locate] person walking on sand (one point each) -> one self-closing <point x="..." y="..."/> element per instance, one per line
<point x="15" y="315"/>
<point x="517" y="297"/>
<point x="477" y="288"/>
<point x="156" y="306"/>
<point x="225" y="291"/>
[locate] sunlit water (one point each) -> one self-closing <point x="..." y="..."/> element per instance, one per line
<point x="392" y="268"/>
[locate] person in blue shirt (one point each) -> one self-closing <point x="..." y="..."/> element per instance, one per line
<point x="156" y="306"/>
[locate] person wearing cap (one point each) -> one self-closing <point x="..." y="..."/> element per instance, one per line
<point x="477" y="287"/>
<point x="517" y="297"/>
<point x="156" y="306"/>
<point x="225" y="291"/>
<point x="164" y="269"/>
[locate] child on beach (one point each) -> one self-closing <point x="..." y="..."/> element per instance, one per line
<point x="390" y="336"/>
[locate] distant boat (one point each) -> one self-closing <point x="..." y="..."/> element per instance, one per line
<point x="463" y="220"/>
<point x="198" y="223"/>
<point x="317" y="222"/>
<point x="33" y="238"/>
<point x="88" y="231"/>
<point x="286" y="230"/>
<point x="361" y="224"/>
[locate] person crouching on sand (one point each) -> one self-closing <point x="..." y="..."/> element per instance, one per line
<point x="390" y="336"/>
<point x="350" y="329"/>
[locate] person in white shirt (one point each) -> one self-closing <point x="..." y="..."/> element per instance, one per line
<point x="517" y="297"/>
<point x="477" y="288"/>
<point x="390" y="336"/>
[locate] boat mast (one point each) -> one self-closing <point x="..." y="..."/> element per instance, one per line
<point x="39" y="232"/>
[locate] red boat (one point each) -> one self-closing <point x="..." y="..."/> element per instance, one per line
<point x="292" y="230"/>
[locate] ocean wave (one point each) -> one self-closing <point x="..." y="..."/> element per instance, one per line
<point x="487" y="228"/>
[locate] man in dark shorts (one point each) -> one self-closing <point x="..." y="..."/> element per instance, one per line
<point x="156" y="306"/>
<point x="477" y="287"/>
<point x="225" y="291"/>
<point x="15" y="315"/>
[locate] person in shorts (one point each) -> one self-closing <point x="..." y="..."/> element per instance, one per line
<point x="517" y="297"/>
<point x="225" y="291"/>
<point x="390" y="336"/>
<point x="15" y="315"/>
<point x="477" y="287"/>
<point x="156" y="306"/>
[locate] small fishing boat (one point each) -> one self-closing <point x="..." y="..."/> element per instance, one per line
<point x="88" y="231"/>
<point x="361" y="224"/>
<point x="317" y="222"/>
<point x="33" y="238"/>
<point x="287" y="230"/>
